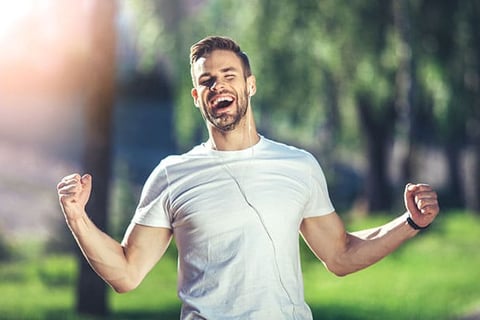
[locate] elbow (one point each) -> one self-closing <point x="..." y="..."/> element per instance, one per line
<point x="342" y="270"/>
<point x="122" y="289"/>
<point x="127" y="281"/>
<point x="340" y="273"/>
<point x="123" y="286"/>
<point x="338" y="269"/>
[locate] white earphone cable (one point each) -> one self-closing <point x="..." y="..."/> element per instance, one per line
<point x="257" y="213"/>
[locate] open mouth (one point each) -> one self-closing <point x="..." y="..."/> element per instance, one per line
<point x="221" y="102"/>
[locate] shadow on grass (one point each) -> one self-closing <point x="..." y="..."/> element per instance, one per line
<point x="329" y="313"/>
<point x="336" y="312"/>
<point x="361" y="312"/>
<point x="173" y="314"/>
<point x="322" y="312"/>
<point x="166" y="314"/>
<point x="319" y="312"/>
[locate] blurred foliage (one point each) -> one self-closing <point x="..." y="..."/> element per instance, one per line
<point x="344" y="79"/>
<point x="6" y="250"/>
<point x="123" y="202"/>
<point x="57" y="271"/>
<point x="152" y="38"/>
<point x="315" y="47"/>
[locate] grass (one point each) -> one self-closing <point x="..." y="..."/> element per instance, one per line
<point x="434" y="276"/>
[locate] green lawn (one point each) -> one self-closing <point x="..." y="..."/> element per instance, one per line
<point x="434" y="276"/>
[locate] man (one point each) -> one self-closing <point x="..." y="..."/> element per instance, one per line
<point x="235" y="206"/>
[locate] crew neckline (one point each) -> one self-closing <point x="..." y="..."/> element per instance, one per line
<point x="228" y="153"/>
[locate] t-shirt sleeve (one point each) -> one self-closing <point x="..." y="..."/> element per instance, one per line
<point x="152" y="209"/>
<point x="319" y="203"/>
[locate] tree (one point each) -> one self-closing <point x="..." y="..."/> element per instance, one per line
<point x="378" y="129"/>
<point x="467" y="38"/>
<point x="406" y="84"/>
<point x="448" y="46"/>
<point x="369" y="69"/>
<point x="351" y="78"/>
<point x="99" y="77"/>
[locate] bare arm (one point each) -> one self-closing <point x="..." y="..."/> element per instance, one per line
<point x="122" y="267"/>
<point x="344" y="253"/>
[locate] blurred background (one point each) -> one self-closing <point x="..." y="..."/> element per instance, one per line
<point x="381" y="92"/>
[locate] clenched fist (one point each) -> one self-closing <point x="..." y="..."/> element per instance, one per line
<point x="73" y="193"/>
<point x="421" y="203"/>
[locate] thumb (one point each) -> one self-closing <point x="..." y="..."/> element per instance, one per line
<point x="86" y="181"/>
<point x="409" y="197"/>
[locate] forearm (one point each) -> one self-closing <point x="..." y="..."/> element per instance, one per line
<point x="103" y="253"/>
<point x="366" y="247"/>
<point x="123" y="267"/>
<point x="374" y="233"/>
<point x="344" y="253"/>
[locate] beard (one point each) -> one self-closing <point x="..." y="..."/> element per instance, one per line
<point x="227" y="121"/>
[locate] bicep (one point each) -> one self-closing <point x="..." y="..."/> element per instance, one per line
<point x="144" y="246"/>
<point x="325" y="235"/>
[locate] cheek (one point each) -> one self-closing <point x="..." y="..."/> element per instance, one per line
<point x="196" y="102"/>
<point x="202" y="103"/>
<point x="243" y="97"/>
<point x="200" y="99"/>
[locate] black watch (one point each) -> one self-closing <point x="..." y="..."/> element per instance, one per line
<point x="414" y="225"/>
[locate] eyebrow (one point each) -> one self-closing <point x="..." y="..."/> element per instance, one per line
<point x="223" y="70"/>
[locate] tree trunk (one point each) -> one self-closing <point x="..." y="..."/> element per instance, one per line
<point x="405" y="84"/>
<point x="454" y="197"/>
<point x="377" y="186"/>
<point x="472" y="192"/>
<point x="100" y="83"/>
<point x="378" y="132"/>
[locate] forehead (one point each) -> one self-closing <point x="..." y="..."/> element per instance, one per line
<point x="216" y="61"/>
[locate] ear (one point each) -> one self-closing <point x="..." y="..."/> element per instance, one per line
<point x="194" y="93"/>
<point x="251" y="85"/>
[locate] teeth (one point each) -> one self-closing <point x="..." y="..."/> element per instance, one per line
<point x="221" y="99"/>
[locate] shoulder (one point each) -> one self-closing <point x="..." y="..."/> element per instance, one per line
<point x="171" y="166"/>
<point x="179" y="163"/>
<point x="284" y="150"/>
<point x="179" y="159"/>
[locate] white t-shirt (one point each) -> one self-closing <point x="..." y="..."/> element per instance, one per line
<point x="235" y="216"/>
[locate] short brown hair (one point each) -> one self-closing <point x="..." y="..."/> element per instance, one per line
<point x="208" y="44"/>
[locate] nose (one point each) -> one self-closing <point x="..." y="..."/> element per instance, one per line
<point x="216" y="86"/>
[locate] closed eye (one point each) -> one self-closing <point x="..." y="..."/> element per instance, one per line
<point x="208" y="82"/>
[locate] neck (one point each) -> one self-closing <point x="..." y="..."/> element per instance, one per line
<point x="244" y="136"/>
<point x="233" y="143"/>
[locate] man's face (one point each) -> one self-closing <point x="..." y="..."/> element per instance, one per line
<point x="221" y="89"/>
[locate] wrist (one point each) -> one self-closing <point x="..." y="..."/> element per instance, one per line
<point x="78" y="223"/>
<point x="414" y="225"/>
